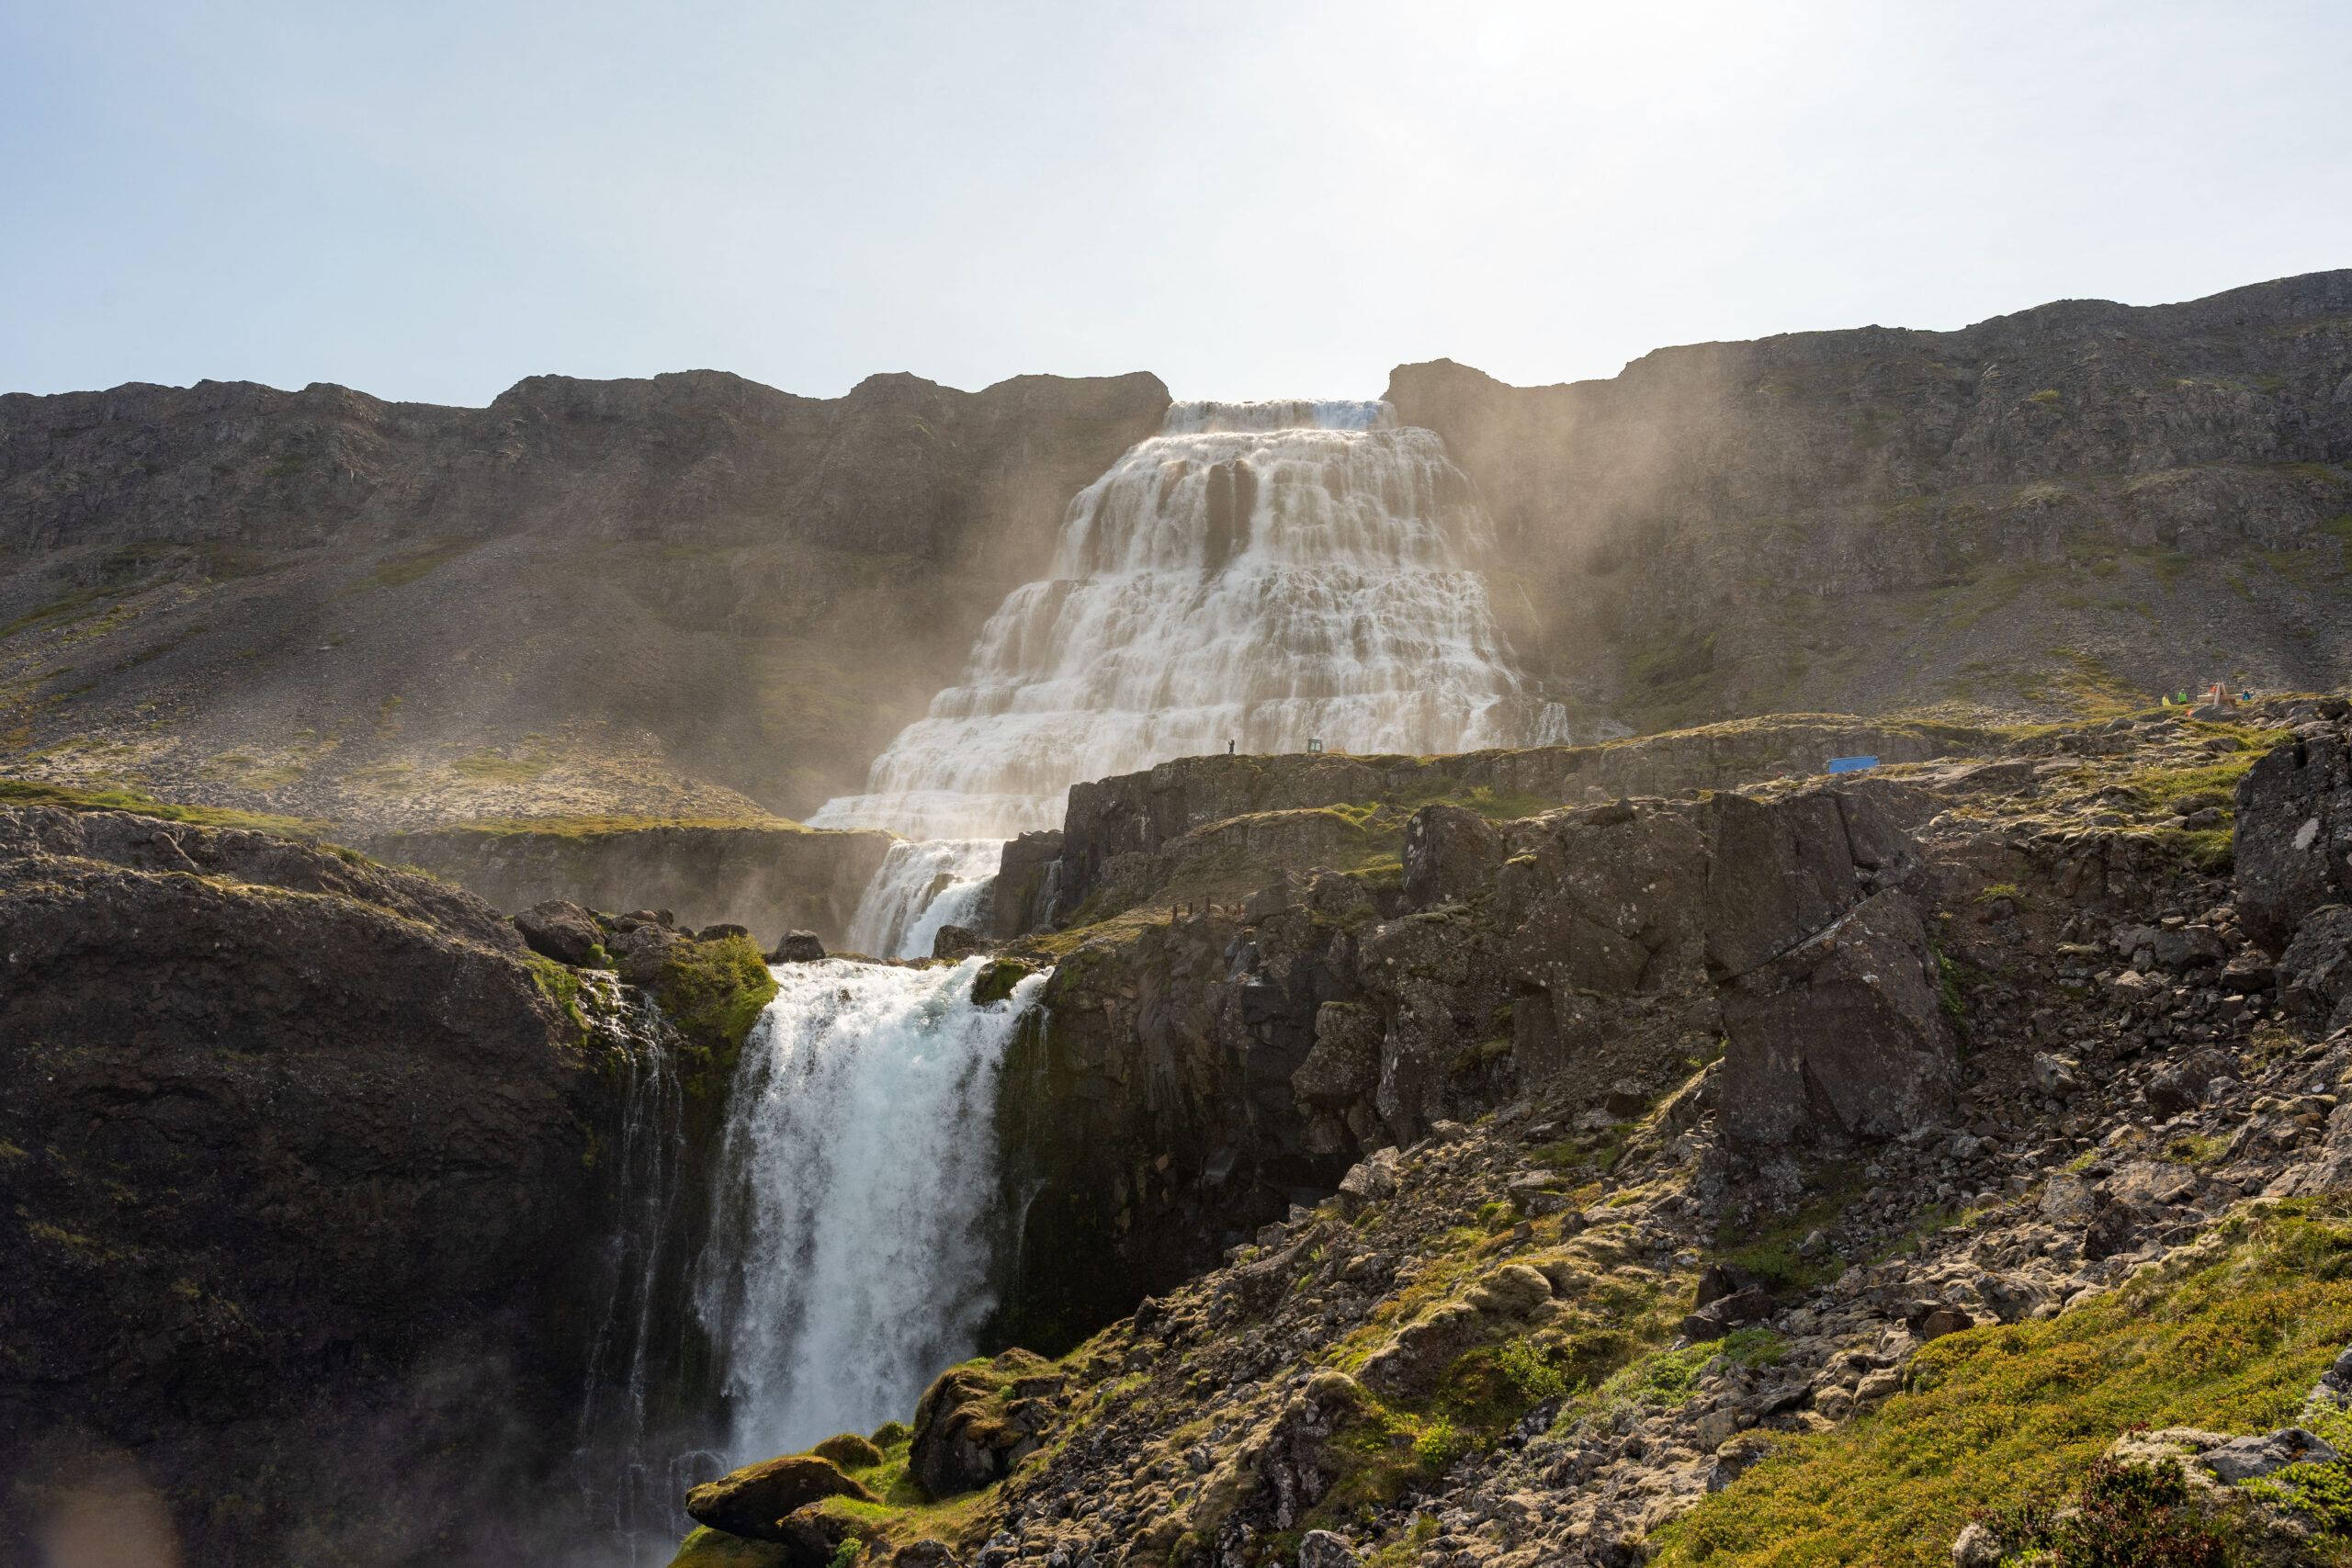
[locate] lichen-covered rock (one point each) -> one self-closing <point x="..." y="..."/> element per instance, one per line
<point x="753" y="1502"/>
<point x="1344" y="1063"/>
<point x="2292" y="833"/>
<point x="1450" y="853"/>
<point x="2315" y="972"/>
<point x="979" y="1420"/>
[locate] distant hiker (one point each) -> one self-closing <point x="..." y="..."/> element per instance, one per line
<point x="1228" y="748"/>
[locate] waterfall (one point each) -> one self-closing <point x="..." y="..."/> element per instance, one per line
<point x="919" y="887"/>
<point x="850" y="1249"/>
<point x="1259" y="574"/>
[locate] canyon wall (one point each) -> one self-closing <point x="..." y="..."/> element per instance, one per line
<point x="2040" y="508"/>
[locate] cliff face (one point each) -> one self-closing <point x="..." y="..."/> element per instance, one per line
<point x="688" y="597"/>
<point x="769" y="879"/>
<point x="297" y="1205"/>
<point x="2018" y="515"/>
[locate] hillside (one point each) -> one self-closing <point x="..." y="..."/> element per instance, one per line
<point x="695" y="598"/>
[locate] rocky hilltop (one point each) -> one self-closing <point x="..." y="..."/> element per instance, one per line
<point x="2004" y="518"/>
<point x="694" y="598"/>
<point x="688" y="597"/>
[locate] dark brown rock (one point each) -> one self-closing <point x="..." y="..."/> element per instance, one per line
<point x="1020" y="883"/>
<point x="2315" y="972"/>
<point x="1450" y="853"/>
<point x="954" y="941"/>
<point x="755" y="1502"/>
<point x="561" y="930"/>
<point x="1843" y="1037"/>
<point x="968" y="1432"/>
<point x="798" y="947"/>
<point x="2294" y="828"/>
<point x="335" y="1260"/>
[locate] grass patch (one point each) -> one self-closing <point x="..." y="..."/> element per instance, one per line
<point x="2227" y="1338"/>
<point x="22" y="791"/>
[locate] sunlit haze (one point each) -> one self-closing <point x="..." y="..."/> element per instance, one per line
<point x="431" y="200"/>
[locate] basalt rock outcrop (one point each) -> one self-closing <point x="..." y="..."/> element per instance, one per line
<point x="296" y="1198"/>
<point x="767" y="879"/>
<point x="686" y="597"/>
<point x="1882" y="518"/>
<point x="1188" y="1081"/>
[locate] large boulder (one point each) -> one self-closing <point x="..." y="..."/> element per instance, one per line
<point x="1450" y="853"/>
<point x="1782" y="870"/>
<point x="976" y="1422"/>
<point x="2294" y="828"/>
<point x="1344" y="1063"/>
<point x="755" y="1501"/>
<point x="562" y="930"/>
<point x="2315" y="972"/>
<point x="1022" y="874"/>
<point x="1843" y="1036"/>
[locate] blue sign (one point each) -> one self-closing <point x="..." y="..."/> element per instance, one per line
<point x="1851" y="764"/>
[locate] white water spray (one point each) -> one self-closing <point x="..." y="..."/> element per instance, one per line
<point x="850" y="1250"/>
<point x="919" y="887"/>
<point x="1264" y="574"/>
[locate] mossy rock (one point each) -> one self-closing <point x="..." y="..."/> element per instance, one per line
<point x="708" y="1548"/>
<point x="996" y="979"/>
<point x="716" y="990"/>
<point x="849" y="1450"/>
<point x="890" y="1434"/>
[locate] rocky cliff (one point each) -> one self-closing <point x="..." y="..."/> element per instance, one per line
<point x="300" y="1202"/>
<point x="2012" y="517"/>
<point x="771" y="879"/>
<point x="688" y="597"/>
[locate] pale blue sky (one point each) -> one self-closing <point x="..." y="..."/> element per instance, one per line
<point x="430" y="200"/>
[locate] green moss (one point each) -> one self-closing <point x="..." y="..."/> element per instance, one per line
<point x="996" y="979"/>
<point x="2226" y="1337"/>
<point x="23" y="792"/>
<point x="409" y="566"/>
<point x="716" y="990"/>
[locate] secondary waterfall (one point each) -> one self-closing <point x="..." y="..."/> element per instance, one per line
<point x="850" y="1247"/>
<point x="920" y="887"/>
<point x="1261" y="574"/>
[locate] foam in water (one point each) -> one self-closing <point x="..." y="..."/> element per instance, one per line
<point x="920" y="887"/>
<point x="1247" y="578"/>
<point x="850" y="1253"/>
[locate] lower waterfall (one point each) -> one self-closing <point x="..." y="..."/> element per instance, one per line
<point x="848" y="1261"/>
<point x="920" y="886"/>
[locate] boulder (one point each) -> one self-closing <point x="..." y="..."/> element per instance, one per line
<point x="1371" y="1181"/>
<point x="1451" y="855"/>
<point x="1782" y="872"/>
<point x="797" y="947"/>
<point x="2190" y="947"/>
<point x="973" y="1425"/>
<point x="723" y="930"/>
<point x="1513" y="1290"/>
<point x="2294" y="826"/>
<point x="848" y="1451"/>
<point x="954" y="941"/>
<point x="755" y="1502"/>
<point x="927" y="1553"/>
<point x="1843" y="1037"/>
<point x="1321" y="1548"/>
<point x="1344" y="1063"/>
<point x="562" y="930"/>
<point x="640" y="953"/>
<point x="1975" y="1547"/>
<point x="2315" y="972"/>
<point x="2248" y="1459"/>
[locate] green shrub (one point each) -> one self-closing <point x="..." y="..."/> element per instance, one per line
<point x="1439" y="1445"/>
<point x="2128" y="1515"/>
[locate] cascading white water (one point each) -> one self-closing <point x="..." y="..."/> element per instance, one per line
<point x="850" y="1250"/>
<point x="920" y="886"/>
<point x="1248" y="577"/>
